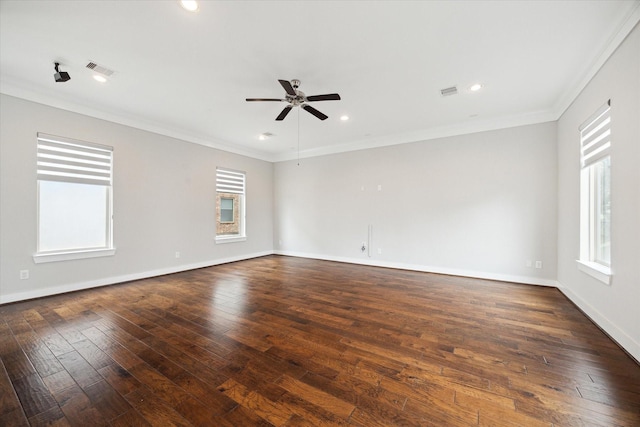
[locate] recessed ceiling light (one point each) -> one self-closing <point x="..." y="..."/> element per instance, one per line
<point x="190" y="5"/>
<point x="476" y="87"/>
<point x="99" y="78"/>
<point x="344" y="118"/>
<point x="265" y="136"/>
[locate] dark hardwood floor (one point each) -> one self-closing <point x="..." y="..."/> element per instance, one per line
<point x="297" y="342"/>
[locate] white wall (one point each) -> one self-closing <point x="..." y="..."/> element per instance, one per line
<point x="616" y="308"/>
<point x="164" y="201"/>
<point x="479" y="205"/>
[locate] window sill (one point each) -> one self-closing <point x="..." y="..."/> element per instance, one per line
<point x="222" y="239"/>
<point x="596" y="271"/>
<point x="71" y="255"/>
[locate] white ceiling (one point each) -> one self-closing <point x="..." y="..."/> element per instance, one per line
<point x="187" y="75"/>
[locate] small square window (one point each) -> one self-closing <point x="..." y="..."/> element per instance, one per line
<point x="226" y="210"/>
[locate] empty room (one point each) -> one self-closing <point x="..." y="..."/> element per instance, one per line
<point x="319" y="213"/>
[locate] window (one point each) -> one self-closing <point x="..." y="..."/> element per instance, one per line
<point x="230" y="206"/>
<point x="595" y="195"/>
<point x="74" y="199"/>
<point x="226" y="210"/>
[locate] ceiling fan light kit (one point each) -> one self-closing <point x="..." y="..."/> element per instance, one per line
<point x="297" y="98"/>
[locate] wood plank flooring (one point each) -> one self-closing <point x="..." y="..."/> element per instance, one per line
<point x="295" y="342"/>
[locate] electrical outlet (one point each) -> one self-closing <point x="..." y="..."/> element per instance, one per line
<point x="177" y="254"/>
<point x="379" y="251"/>
<point x="538" y="264"/>
<point x="24" y="274"/>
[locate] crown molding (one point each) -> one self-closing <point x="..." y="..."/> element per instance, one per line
<point x="465" y="128"/>
<point x="619" y="35"/>
<point x="11" y="88"/>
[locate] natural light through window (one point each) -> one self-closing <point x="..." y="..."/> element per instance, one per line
<point x="230" y="206"/>
<point x="595" y="195"/>
<point x="72" y="216"/>
<point x="74" y="199"/>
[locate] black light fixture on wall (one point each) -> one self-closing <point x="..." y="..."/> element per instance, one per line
<point x="60" y="76"/>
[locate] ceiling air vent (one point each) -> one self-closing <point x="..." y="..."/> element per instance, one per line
<point x="100" y="69"/>
<point x="448" y="91"/>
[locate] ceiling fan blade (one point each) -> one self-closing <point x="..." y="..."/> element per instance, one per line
<point x="287" y="87"/>
<point x="264" y="99"/>
<point x="315" y="112"/>
<point x="284" y="113"/>
<point x="327" y="97"/>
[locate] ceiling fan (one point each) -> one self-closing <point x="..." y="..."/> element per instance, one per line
<point x="297" y="98"/>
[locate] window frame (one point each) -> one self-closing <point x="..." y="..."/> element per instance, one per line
<point x="595" y="156"/>
<point x="230" y="181"/>
<point x="74" y="175"/>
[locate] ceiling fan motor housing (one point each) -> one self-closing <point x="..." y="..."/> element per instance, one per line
<point x="300" y="98"/>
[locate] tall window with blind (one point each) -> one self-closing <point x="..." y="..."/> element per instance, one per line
<point x="74" y="199"/>
<point x="230" y="205"/>
<point x="595" y="194"/>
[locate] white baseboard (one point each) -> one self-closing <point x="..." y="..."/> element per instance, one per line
<point x="631" y="346"/>
<point x="38" y="293"/>
<point x="428" y="269"/>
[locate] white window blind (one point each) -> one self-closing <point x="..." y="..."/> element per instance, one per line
<point x="229" y="181"/>
<point x="69" y="160"/>
<point x="595" y="136"/>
